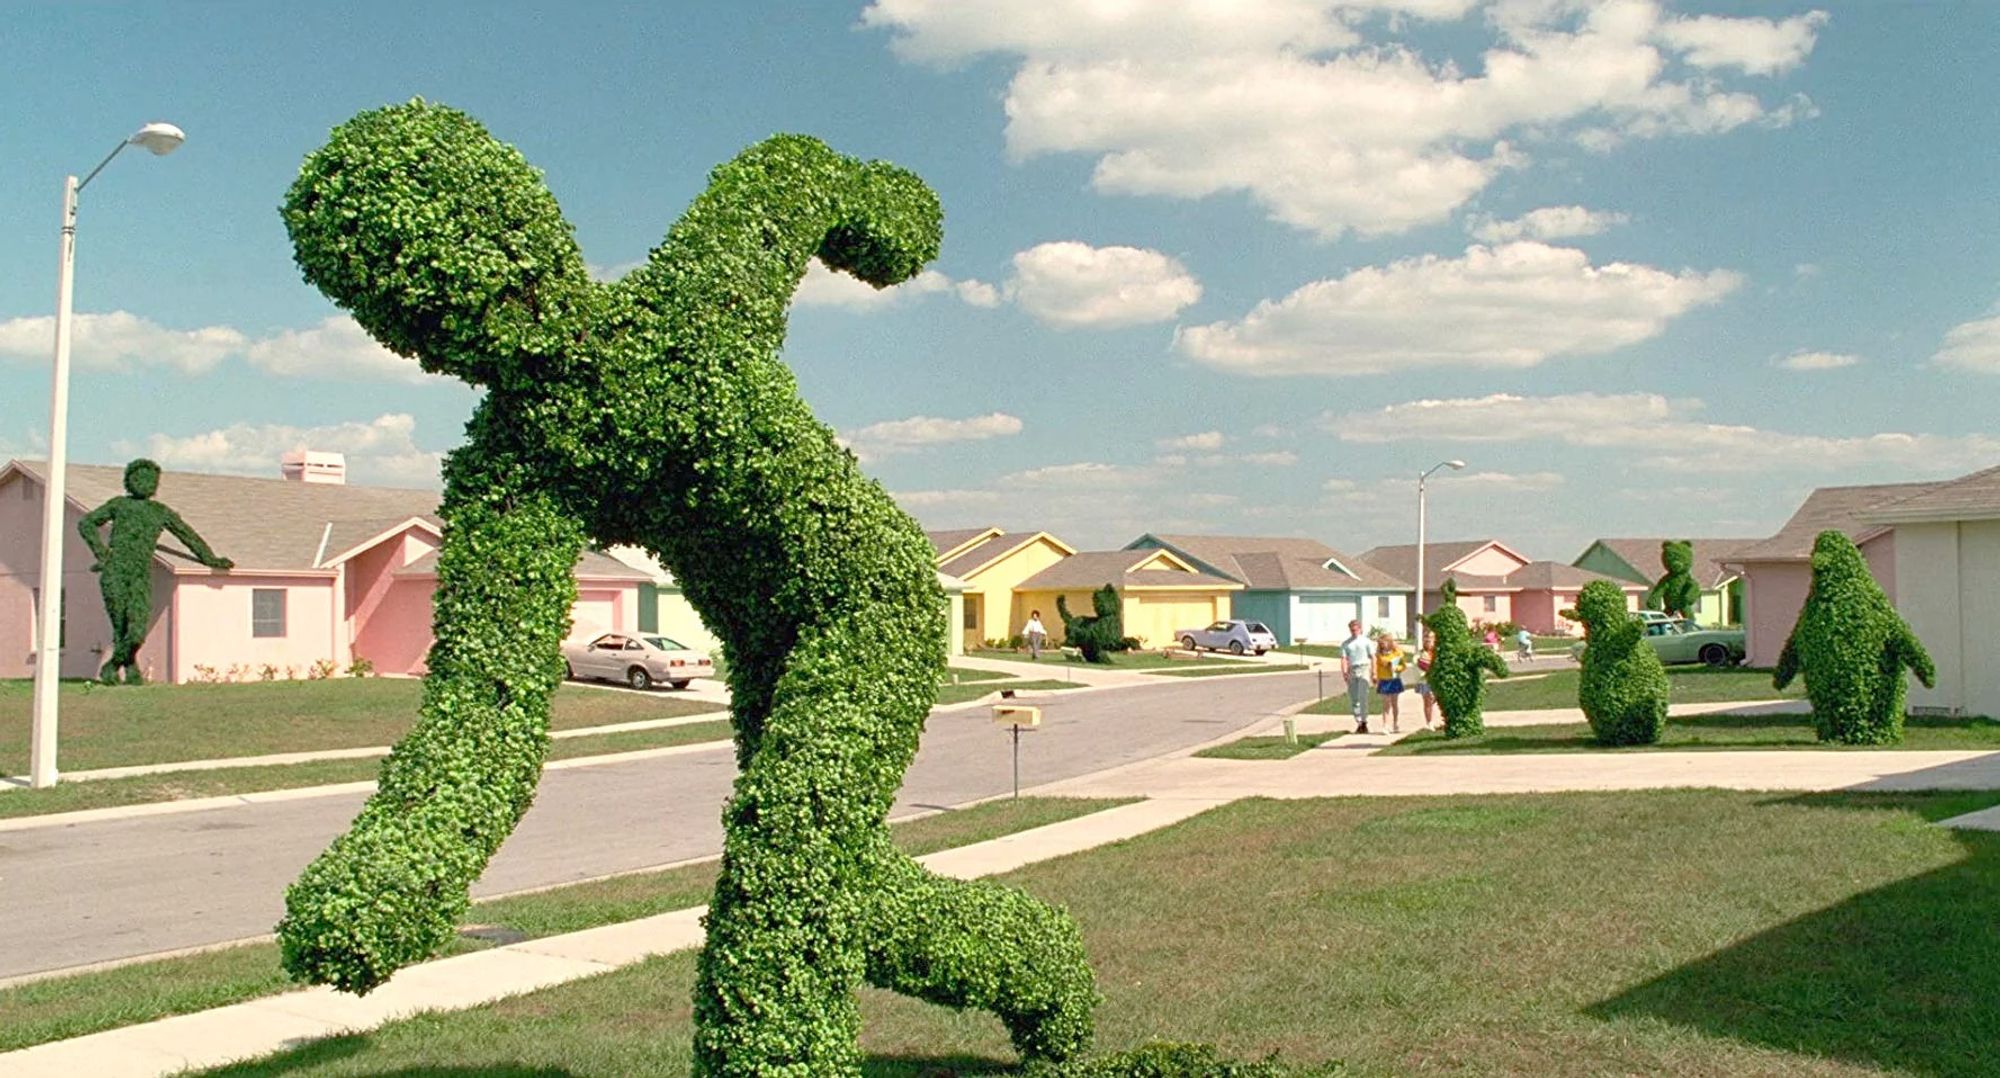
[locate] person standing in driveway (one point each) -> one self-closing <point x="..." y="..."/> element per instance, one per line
<point x="1035" y="634"/>
<point x="1357" y="662"/>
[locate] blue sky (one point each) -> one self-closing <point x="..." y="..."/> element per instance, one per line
<point x="1650" y="268"/>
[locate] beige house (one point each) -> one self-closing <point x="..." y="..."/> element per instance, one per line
<point x="1160" y="593"/>
<point x="988" y="564"/>
<point x="1945" y="563"/>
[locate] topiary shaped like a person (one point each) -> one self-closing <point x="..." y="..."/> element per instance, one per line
<point x="124" y="566"/>
<point x="1852" y="647"/>
<point x="1095" y="636"/>
<point x="656" y="411"/>
<point x="1623" y="686"/>
<point x="1677" y="592"/>
<point x="1459" y="667"/>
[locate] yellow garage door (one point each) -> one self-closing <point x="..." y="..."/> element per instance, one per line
<point x="1154" y="619"/>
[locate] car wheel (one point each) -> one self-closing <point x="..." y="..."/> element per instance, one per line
<point x="639" y="679"/>
<point x="1236" y="647"/>
<point x="1715" y="655"/>
<point x="1188" y="643"/>
<point x="678" y="684"/>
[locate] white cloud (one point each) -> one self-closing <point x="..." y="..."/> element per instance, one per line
<point x="905" y="435"/>
<point x="928" y="499"/>
<point x="1663" y="430"/>
<point x="1501" y="481"/>
<point x="1081" y="475"/>
<point x="1972" y="346"/>
<point x="1547" y="223"/>
<point x="1803" y="360"/>
<point x="823" y="287"/>
<point x="336" y="348"/>
<point x="1284" y="99"/>
<point x="600" y="272"/>
<point x="1206" y="440"/>
<point x="1512" y="306"/>
<point x="382" y="450"/>
<point x="1074" y="284"/>
<point x="121" y="340"/>
<point x="1275" y="458"/>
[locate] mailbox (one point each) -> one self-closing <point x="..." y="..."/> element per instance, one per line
<point x="1017" y="715"/>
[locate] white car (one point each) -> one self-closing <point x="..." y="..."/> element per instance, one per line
<point x="640" y="660"/>
<point x="1235" y="637"/>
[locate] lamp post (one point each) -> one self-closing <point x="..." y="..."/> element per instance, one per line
<point x="1417" y="611"/>
<point x="161" y="139"/>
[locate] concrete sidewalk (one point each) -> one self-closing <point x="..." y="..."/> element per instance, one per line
<point x="226" y="1034"/>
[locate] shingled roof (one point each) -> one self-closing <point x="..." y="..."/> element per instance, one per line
<point x="590" y="565"/>
<point x="1092" y="569"/>
<point x="1400" y="561"/>
<point x="950" y="539"/>
<point x="1282" y="564"/>
<point x="1839" y="508"/>
<point x="1643" y="555"/>
<point x="1969" y="497"/>
<point x="1554" y="575"/>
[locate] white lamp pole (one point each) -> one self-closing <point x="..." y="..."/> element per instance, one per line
<point x="160" y="138"/>
<point x="1416" y="637"/>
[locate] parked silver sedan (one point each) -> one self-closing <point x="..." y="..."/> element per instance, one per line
<point x="1235" y="637"/>
<point x="640" y="660"/>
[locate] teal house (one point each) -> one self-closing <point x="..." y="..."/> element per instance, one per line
<point x="1638" y="560"/>
<point x="1300" y="588"/>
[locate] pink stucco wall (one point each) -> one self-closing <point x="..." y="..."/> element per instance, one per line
<point x="1775" y="592"/>
<point x="1488" y="562"/>
<point x="89" y="630"/>
<point x="213" y="625"/>
<point x="389" y="617"/>
<point x="1540" y="610"/>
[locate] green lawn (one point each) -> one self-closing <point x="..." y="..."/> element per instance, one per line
<point x="959" y="674"/>
<point x="76" y="796"/>
<point x="1233" y="668"/>
<point x="116" y="726"/>
<point x="1675" y="932"/>
<point x="1274" y="747"/>
<point x="1702" y="732"/>
<point x="1688" y="685"/>
<point x="958" y="694"/>
<point x="1123" y="660"/>
<point x="72" y="1006"/>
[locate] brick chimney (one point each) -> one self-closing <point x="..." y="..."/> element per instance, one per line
<point x="307" y="466"/>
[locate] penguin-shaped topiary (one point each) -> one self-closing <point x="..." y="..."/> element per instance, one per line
<point x="1677" y="593"/>
<point x="1852" y="647"/>
<point x="1623" y="687"/>
<point x="1458" y="669"/>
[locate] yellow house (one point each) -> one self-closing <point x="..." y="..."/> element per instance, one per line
<point x="990" y="563"/>
<point x="1159" y="593"/>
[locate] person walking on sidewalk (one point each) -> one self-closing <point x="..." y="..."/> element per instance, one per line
<point x="1035" y="634"/>
<point x="1357" y="662"/>
<point x="1389" y="659"/>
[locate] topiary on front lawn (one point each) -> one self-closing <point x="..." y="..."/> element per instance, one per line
<point x="1677" y="592"/>
<point x="1169" y="1059"/>
<point x="1095" y="636"/>
<point x="1458" y="669"/>
<point x="1623" y="685"/>
<point x="1852" y="647"/>
<point x="124" y="565"/>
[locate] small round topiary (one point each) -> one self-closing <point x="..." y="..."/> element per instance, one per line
<point x="1677" y="592"/>
<point x="1852" y="647"/>
<point x="1623" y="687"/>
<point x="1459" y="667"/>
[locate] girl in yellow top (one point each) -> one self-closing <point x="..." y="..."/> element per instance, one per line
<point x="1389" y="662"/>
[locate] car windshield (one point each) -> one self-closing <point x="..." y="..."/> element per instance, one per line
<point x="665" y="644"/>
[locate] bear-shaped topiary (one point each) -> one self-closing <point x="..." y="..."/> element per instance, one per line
<point x="1676" y="592"/>
<point x="1852" y="647"/>
<point x="1459" y="667"/>
<point x="1623" y="687"/>
<point x="1095" y="636"/>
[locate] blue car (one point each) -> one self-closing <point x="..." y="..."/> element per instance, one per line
<point x="1234" y="637"/>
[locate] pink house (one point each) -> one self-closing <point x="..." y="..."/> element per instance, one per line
<point x="1498" y="583"/>
<point x="325" y="572"/>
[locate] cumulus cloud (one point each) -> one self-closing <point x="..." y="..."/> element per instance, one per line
<point x="1512" y="306"/>
<point x="381" y="450"/>
<point x="1547" y="223"/>
<point x="1972" y="346"/>
<point x="1803" y="360"/>
<point x="823" y="287"/>
<point x="905" y="435"/>
<point x="1666" y="431"/>
<point x="1292" y="102"/>
<point x="1073" y="284"/>
<point x="121" y="340"/>
<point x="1206" y="440"/>
<point x="336" y="348"/>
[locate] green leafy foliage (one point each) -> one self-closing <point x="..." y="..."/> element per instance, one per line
<point x="1676" y="592"/>
<point x="1459" y="667"/>
<point x="1623" y="685"/>
<point x="655" y="411"/>
<point x="1100" y="635"/>
<point x="1852" y="647"/>
<point x="125" y="564"/>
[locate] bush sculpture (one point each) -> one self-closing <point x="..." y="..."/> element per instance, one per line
<point x="1458" y="669"/>
<point x="1623" y="686"/>
<point x="655" y="411"/>
<point x="1852" y="647"/>
<point x="124" y="566"/>
<point x="1677" y="592"/>
<point x="1095" y="636"/>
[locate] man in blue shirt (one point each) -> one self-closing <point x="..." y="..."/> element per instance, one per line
<point x="1357" y="662"/>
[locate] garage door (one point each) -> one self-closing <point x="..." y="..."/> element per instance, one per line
<point x="1155" y="619"/>
<point x="594" y="612"/>
<point x="1323" y="618"/>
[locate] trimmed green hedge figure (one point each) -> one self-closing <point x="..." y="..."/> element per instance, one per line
<point x="1095" y="636"/>
<point x="656" y="411"/>
<point x="1459" y="667"/>
<point x="1852" y="647"/>
<point x="1676" y="592"/>
<point x="1623" y="686"/>
<point x="124" y="566"/>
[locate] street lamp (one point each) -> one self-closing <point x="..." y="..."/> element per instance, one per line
<point x="1417" y="612"/>
<point x="161" y="139"/>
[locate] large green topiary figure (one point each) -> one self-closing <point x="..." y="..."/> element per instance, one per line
<point x="1099" y="635"/>
<point x="656" y="411"/>
<point x="1852" y="647"/>
<point x="124" y="566"/>
<point x="1459" y="667"/>
<point x="1677" y="592"/>
<point x="1623" y="686"/>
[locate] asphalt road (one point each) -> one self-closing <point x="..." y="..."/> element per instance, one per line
<point x="91" y="892"/>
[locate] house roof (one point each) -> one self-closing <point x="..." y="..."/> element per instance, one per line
<point x="1838" y="508"/>
<point x="1969" y="497"/>
<point x="590" y="565"/>
<point x="1549" y="575"/>
<point x="1400" y="561"/>
<point x="1095" y="568"/>
<point x="1643" y="555"/>
<point x="951" y="539"/>
<point x="978" y="557"/>
<point x="260" y="524"/>
<point x="1284" y="564"/>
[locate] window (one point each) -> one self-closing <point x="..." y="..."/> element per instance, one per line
<point x="1382" y="606"/>
<point x="1492" y="603"/>
<point x="267" y="612"/>
<point x="971" y="617"/>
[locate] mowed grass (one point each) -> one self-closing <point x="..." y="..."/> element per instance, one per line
<point x="1232" y="669"/>
<point x="958" y="694"/>
<point x="1677" y="932"/>
<point x="72" y="1006"/>
<point x="1274" y="747"/>
<point x="74" y="796"/>
<point x="1702" y="732"/>
<point x="123" y="725"/>
<point x="1119" y="660"/>
<point x="1687" y="685"/>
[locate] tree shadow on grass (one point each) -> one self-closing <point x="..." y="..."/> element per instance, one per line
<point x="1906" y="976"/>
<point x="330" y="1050"/>
<point x="924" y="1066"/>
